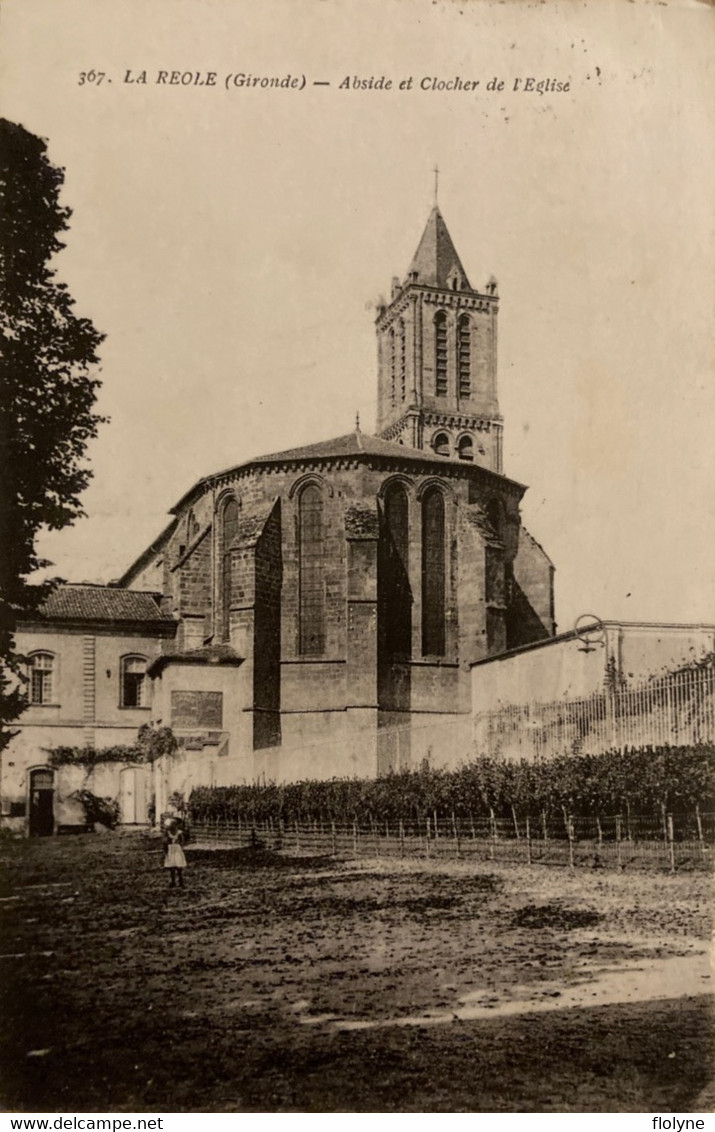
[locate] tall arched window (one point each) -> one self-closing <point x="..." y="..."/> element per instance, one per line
<point x="434" y="601"/>
<point x="42" y="669"/>
<point x="311" y="604"/>
<point x="495" y="515"/>
<point x="132" y="686"/>
<point x="403" y="361"/>
<point x="464" y="355"/>
<point x="440" y="354"/>
<point x="229" y="530"/>
<point x="396" y="594"/>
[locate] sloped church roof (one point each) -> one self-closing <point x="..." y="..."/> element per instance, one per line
<point x="353" y="445"/>
<point x="436" y="257"/>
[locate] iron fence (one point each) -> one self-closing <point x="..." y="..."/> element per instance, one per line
<point x="675" y="709"/>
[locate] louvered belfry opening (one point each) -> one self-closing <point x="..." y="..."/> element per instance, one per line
<point x="440" y="354"/>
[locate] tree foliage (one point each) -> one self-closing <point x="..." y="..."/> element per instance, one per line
<point x="98" y="811"/>
<point x="47" y="391"/>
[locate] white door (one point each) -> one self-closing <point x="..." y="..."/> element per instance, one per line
<point x="133" y="795"/>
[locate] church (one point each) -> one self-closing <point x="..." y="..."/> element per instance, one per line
<point x="331" y="598"/>
<point x="313" y="613"/>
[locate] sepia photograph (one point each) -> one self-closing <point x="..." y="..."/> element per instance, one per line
<point x="357" y="529"/>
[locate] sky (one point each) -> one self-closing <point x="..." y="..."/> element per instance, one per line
<point x="233" y="242"/>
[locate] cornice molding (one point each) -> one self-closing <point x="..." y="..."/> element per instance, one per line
<point x="469" y="300"/>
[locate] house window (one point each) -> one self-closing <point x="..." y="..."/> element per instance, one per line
<point x="42" y="667"/>
<point x="229" y="531"/>
<point x="464" y="356"/>
<point x="311" y="605"/>
<point x="434" y="604"/>
<point x="133" y="677"/>
<point x="440" y="354"/>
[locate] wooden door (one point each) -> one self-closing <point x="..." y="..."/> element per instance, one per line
<point x="42" y="803"/>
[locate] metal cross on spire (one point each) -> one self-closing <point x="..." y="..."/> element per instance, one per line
<point x="436" y="182"/>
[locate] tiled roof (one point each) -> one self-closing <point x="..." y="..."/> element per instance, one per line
<point x="353" y="444"/>
<point x="207" y="654"/>
<point x="101" y="603"/>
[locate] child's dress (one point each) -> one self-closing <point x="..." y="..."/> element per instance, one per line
<point x="175" y="858"/>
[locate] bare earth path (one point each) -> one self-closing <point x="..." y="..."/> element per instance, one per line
<point x="294" y="984"/>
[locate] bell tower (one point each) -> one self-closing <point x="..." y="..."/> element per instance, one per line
<point x="437" y="357"/>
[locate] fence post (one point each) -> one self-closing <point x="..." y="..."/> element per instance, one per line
<point x="297" y="836"/>
<point x="701" y="839"/>
<point x="664" y="816"/>
<point x="436" y="825"/>
<point x="600" y="832"/>
<point x="528" y="841"/>
<point x="427" y="836"/>
<point x="570" y="830"/>
<point x="355" y="839"/>
<point x="544" y="827"/>
<point x="455" y="833"/>
<point x="516" y="824"/>
<point x="402" y="838"/>
<point x="618" y="840"/>
<point x="671" y="843"/>
<point x="333" y="837"/>
<point x="471" y="822"/>
<point x="492" y="847"/>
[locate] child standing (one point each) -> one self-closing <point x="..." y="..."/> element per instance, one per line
<point x="174" y="860"/>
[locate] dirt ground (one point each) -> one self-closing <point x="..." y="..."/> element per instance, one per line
<point x="275" y="984"/>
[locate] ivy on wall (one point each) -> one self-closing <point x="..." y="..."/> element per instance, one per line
<point x="151" y="743"/>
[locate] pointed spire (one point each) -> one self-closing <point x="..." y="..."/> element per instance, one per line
<point x="436" y="261"/>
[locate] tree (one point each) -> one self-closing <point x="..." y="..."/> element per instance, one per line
<point x="47" y="393"/>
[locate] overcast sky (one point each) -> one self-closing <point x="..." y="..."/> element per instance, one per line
<point x="232" y="245"/>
